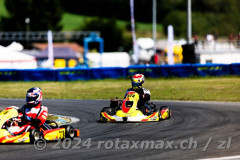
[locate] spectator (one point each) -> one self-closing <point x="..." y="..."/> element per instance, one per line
<point x="230" y="38"/>
<point x="195" y="38"/>
<point x="238" y="40"/>
<point x="215" y="36"/>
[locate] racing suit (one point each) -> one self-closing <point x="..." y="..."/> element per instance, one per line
<point x="144" y="96"/>
<point x="31" y="118"/>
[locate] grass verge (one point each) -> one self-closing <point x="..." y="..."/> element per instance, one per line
<point x="192" y="89"/>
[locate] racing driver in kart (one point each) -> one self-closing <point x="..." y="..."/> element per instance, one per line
<point x="144" y="94"/>
<point x="32" y="114"/>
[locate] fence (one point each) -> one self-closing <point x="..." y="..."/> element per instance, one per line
<point x="39" y="36"/>
<point x="154" y="71"/>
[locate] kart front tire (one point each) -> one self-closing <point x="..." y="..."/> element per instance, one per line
<point x="34" y="135"/>
<point x="169" y="111"/>
<point x="109" y="110"/>
<point x="69" y="131"/>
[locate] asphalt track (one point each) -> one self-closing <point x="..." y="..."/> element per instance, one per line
<point x="186" y="135"/>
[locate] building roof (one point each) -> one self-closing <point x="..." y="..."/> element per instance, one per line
<point x="59" y="53"/>
<point x="76" y="47"/>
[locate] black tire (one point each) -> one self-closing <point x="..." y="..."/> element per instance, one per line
<point x="169" y="111"/>
<point x="109" y="110"/>
<point x="34" y="135"/>
<point x="69" y="131"/>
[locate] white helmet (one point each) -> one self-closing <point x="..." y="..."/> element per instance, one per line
<point x="137" y="81"/>
<point x="34" y="96"/>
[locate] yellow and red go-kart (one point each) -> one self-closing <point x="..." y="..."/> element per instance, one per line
<point x="49" y="131"/>
<point x="127" y="111"/>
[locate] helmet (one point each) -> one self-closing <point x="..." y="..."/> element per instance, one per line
<point x="137" y="81"/>
<point x="34" y="96"/>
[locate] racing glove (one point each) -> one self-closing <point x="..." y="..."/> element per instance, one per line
<point x="32" y="120"/>
<point x="35" y="121"/>
<point x="25" y="117"/>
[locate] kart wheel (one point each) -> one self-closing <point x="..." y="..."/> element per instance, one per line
<point x="108" y="110"/>
<point x="34" y="135"/>
<point x="69" y="131"/>
<point x="169" y="111"/>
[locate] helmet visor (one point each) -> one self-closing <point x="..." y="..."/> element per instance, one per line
<point x="31" y="98"/>
<point x="136" y="85"/>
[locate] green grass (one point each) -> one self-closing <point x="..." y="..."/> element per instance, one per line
<point x="193" y="89"/>
<point x="3" y="10"/>
<point x="72" y="22"/>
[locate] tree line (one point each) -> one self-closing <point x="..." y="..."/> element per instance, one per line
<point x="208" y="16"/>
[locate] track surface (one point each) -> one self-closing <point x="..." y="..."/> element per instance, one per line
<point x="196" y="121"/>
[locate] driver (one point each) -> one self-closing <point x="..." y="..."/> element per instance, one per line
<point x="144" y="94"/>
<point x="32" y="114"/>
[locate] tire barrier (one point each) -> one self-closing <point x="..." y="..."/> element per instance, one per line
<point x="154" y="71"/>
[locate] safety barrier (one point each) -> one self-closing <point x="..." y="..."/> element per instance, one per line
<point x="154" y="71"/>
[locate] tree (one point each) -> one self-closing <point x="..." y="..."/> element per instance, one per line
<point x="208" y="16"/>
<point x="43" y="15"/>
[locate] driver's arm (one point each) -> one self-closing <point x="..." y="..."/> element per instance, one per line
<point x="146" y="95"/>
<point x="43" y="115"/>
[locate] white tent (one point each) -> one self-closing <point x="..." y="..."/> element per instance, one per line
<point x="109" y="59"/>
<point x="145" y="49"/>
<point x="10" y="59"/>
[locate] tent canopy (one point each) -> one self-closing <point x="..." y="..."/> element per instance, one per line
<point x="13" y="59"/>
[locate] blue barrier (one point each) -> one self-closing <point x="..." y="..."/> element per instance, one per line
<point x="210" y="69"/>
<point x="10" y="75"/>
<point x="234" y="69"/>
<point x="38" y="75"/>
<point x="154" y="71"/>
<point x="148" y="71"/>
<point x="109" y="72"/>
<point x="72" y="74"/>
<point x="184" y="70"/>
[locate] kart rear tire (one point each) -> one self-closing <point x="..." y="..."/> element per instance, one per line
<point x="34" y="135"/>
<point x="69" y="131"/>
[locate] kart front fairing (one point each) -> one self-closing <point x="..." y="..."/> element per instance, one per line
<point x="136" y="116"/>
<point x="46" y="131"/>
<point x="5" y="135"/>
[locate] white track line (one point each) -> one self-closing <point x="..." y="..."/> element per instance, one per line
<point x="224" y="158"/>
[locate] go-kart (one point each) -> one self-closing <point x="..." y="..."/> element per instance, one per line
<point x="9" y="120"/>
<point x="127" y="111"/>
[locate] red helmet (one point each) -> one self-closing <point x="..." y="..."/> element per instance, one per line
<point x="34" y="96"/>
<point x="137" y="81"/>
